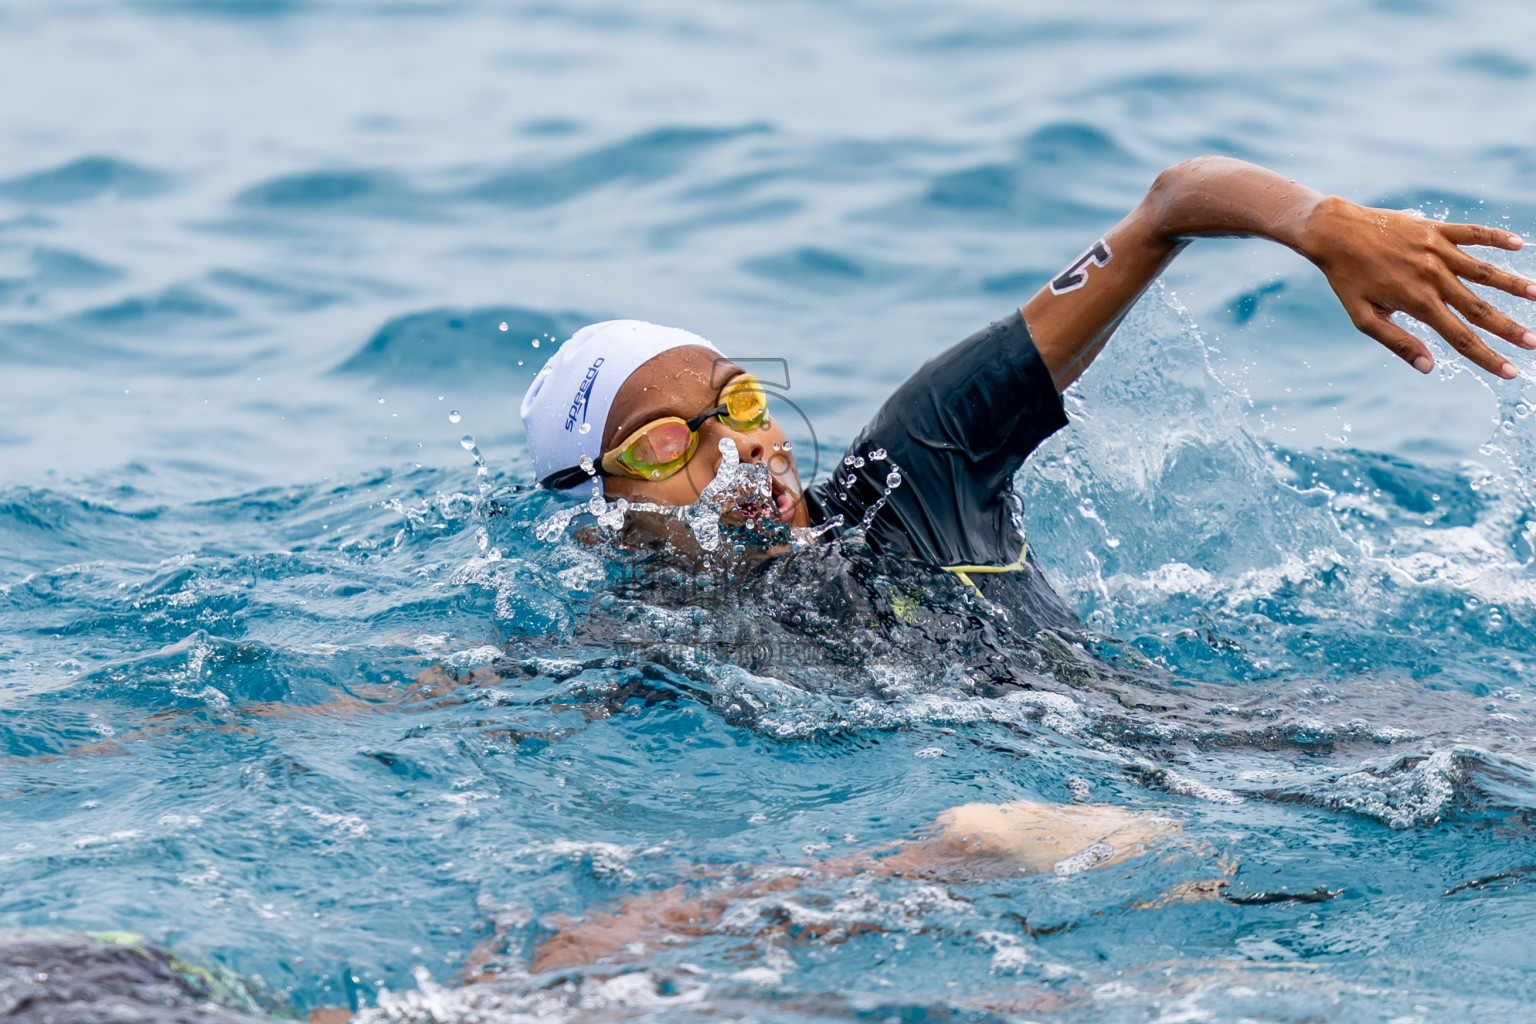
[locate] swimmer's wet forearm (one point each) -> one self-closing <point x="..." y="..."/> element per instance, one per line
<point x="1071" y="324"/>
<point x="1073" y="317"/>
<point x="1215" y="197"/>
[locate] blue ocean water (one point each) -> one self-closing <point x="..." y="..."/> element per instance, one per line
<point x="287" y="687"/>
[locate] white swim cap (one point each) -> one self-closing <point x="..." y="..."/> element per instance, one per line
<point x="565" y="411"/>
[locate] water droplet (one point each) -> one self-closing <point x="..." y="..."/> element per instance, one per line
<point x="878" y="455"/>
<point x="502" y="326"/>
<point x="857" y="462"/>
<point x="467" y="442"/>
<point x="595" y="504"/>
<point x="847" y="459"/>
<point x="535" y="342"/>
<point x="893" y="478"/>
<point x="585" y="428"/>
<point x="777" y="447"/>
<point x="454" y="416"/>
<point x="739" y="549"/>
<point x="842" y="496"/>
<point x="586" y="464"/>
<point x="850" y="480"/>
<point x="381" y="400"/>
<point x="656" y="474"/>
<point x="789" y="446"/>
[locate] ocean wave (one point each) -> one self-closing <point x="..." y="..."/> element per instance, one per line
<point x="89" y="177"/>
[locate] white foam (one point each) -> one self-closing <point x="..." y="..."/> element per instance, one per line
<point x="474" y="657"/>
<point x="1419" y="795"/>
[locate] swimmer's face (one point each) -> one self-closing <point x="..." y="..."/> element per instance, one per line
<point x="684" y="382"/>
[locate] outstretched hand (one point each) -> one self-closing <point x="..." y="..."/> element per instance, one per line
<point x="1381" y="262"/>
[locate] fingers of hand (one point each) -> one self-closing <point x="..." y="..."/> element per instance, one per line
<point x="1481" y="314"/>
<point x="1398" y="341"/>
<point x="1477" y="234"/>
<point x="1463" y="340"/>
<point x="1478" y="272"/>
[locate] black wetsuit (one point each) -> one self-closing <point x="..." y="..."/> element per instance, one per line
<point x="959" y="429"/>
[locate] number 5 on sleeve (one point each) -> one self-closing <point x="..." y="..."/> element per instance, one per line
<point x="1075" y="276"/>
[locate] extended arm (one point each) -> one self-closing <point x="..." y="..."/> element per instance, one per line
<point x="1379" y="262"/>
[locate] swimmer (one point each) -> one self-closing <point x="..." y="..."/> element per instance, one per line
<point x="630" y="410"/>
<point x="639" y="412"/>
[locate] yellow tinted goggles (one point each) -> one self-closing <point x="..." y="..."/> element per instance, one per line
<point x="663" y="446"/>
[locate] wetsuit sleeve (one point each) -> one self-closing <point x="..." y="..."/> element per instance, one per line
<point x="958" y="428"/>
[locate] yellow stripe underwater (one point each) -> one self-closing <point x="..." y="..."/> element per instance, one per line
<point x="964" y="571"/>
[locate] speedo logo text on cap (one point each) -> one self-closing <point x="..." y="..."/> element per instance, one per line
<point x="578" y="408"/>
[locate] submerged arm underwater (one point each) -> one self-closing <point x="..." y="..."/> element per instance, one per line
<point x="967" y="844"/>
<point x="1378" y="262"/>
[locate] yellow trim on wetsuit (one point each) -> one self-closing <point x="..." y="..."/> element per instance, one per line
<point x="964" y="571"/>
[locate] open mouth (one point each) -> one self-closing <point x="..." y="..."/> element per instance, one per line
<point x="783" y="500"/>
<point x="749" y="504"/>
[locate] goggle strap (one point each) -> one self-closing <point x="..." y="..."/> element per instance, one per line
<point x="565" y="479"/>
<point x="698" y="421"/>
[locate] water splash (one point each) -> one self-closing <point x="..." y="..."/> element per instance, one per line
<point x="893" y="480"/>
<point x="482" y="497"/>
<point x="703" y="517"/>
<point x="746" y="488"/>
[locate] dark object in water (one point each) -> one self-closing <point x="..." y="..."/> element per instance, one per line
<point x="112" y="978"/>
<point x="1322" y="894"/>
<point x="1487" y="880"/>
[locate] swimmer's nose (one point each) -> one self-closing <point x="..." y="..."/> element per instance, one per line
<point x="748" y="450"/>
